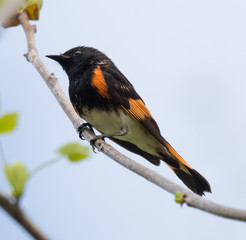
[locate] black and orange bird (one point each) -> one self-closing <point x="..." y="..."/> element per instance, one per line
<point x="104" y="97"/>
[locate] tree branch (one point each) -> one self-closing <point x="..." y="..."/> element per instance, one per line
<point x="12" y="208"/>
<point x="189" y="198"/>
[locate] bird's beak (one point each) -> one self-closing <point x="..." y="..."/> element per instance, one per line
<point x="59" y="58"/>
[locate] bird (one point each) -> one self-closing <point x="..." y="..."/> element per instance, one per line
<point x="108" y="102"/>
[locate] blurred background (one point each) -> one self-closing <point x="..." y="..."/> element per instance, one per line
<point x="187" y="61"/>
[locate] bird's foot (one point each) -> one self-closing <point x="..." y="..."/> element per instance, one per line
<point x="82" y="127"/>
<point x="122" y="132"/>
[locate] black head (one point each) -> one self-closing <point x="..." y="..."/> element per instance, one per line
<point x="80" y="58"/>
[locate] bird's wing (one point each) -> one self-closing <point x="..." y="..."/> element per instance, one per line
<point x="120" y="90"/>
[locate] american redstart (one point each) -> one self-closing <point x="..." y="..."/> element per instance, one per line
<point x="104" y="97"/>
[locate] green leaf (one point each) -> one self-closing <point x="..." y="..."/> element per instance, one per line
<point x="17" y="175"/>
<point x="8" y="122"/>
<point x="179" y="197"/>
<point x="74" y="151"/>
<point x="32" y="7"/>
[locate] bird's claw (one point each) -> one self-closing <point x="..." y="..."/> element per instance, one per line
<point x="82" y="127"/>
<point x="93" y="140"/>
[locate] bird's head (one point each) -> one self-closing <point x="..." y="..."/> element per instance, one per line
<point x="79" y="59"/>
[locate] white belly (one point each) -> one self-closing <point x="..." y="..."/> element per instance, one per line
<point x="112" y="122"/>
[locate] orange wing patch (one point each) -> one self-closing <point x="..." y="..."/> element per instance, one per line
<point x="176" y="155"/>
<point x="99" y="83"/>
<point x="138" y="109"/>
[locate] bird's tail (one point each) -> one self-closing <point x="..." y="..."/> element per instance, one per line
<point x="190" y="177"/>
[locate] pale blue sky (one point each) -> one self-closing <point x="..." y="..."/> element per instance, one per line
<point x="187" y="60"/>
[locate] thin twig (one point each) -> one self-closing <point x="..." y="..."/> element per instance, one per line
<point x="12" y="208"/>
<point x="190" y="198"/>
<point x="50" y="79"/>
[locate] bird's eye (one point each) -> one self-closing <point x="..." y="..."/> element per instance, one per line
<point x="77" y="53"/>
